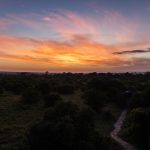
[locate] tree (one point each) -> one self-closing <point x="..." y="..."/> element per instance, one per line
<point x="51" y="99"/>
<point x="31" y="96"/>
<point x="137" y="128"/>
<point x="141" y="99"/>
<point x="1" y="90"/>
<point x="65" y="127"/>
<point x="65" y="89"/>
<point x="95" y="99"/>
<point x="44" y="87"/>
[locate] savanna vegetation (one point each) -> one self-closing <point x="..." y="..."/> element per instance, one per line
<point x="72" y="111"/>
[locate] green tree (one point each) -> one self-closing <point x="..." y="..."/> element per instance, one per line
<point x="137" y="128"/>
<point x="65" y="89"/>
<point x="65" y="127"/>
<point x="51" y="99"/>
<point x="95" y="99"/>
<point x="1" y="90"/>
<point x="30" y="96"/>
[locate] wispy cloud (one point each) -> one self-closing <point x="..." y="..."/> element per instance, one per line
<point x="109" y="27"/>
<point x="85" y="42"/>
<point x="66" y="23"/>
<point x="132" y="52"/>
<point x="80" y="53"/>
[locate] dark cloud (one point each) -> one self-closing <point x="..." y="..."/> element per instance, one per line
<point x="132" y="52"/>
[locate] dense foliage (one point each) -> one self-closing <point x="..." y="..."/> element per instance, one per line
<point x="1" y="90"/>
<point x="30" y="96"/>
<point x="72" y="111"/>
<point x="51" y="99"/>
<point x="65" y="127"/>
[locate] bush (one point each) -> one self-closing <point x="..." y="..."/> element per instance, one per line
<point x="1" y="90"/>
<point x="44" y="87"/>
<point x="147" y="97"/>
<point x="51" y="99"/>
<point x="107" y="115"/>
<point x="137" y="100"/>
<point x="65" y="89"/>
<point x="95" y="99"/>
<point x="65" y="127"/>
<point x="105" y="84"/>
<point x="61" y="110"/>
<point x="123" y="99"/>
<point x="14" y="86"/>
<point x="141" y="99"/>
<point x="137" y="128"/>
<point x="31" y="96"/>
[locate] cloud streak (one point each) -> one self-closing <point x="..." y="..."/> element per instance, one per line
<point x="132" y="52"/>
<point x="106" y="27"/>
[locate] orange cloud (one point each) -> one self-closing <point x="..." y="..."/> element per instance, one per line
<point x="79" y="54"/>
<point x="75" y="53"/>
<point x="84" y="43"/>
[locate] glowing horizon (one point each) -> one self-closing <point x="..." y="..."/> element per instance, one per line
<point x="75" y="36"/>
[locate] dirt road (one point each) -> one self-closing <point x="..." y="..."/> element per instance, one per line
<point x="117" y="128"/>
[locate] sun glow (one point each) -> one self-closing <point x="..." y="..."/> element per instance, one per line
<point x="67" y="59"/>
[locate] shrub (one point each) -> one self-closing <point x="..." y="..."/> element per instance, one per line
<point x="122" y="99"/>
<point x="141" y="99"/>
<point x="1" y="90"/>
<point x="61" y="110"/>
<point x="147" y="97"/>
<point x="65" y="89"/>
<point x="65" y="127"/>
<point x="137" y="128"/>
<point x="95" y="99"/>
<point x="14" y="86"/>
<point x="44" y="87"/>
<point x="51" y="99"/>
<point x="105" y="84"/>
<point x="137" y="100"/>
<point x="107" y="115"/>
<point x="31" y="96"/>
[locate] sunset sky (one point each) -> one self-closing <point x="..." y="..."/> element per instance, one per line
<point x="75" y="35"/>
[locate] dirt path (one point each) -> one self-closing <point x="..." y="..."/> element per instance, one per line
<point x="117" y="128"/>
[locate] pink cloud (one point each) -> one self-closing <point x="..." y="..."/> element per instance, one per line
<point x="119" y="28"/>
<point x="67" y="23"/>
<point x="110" y="27"/>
